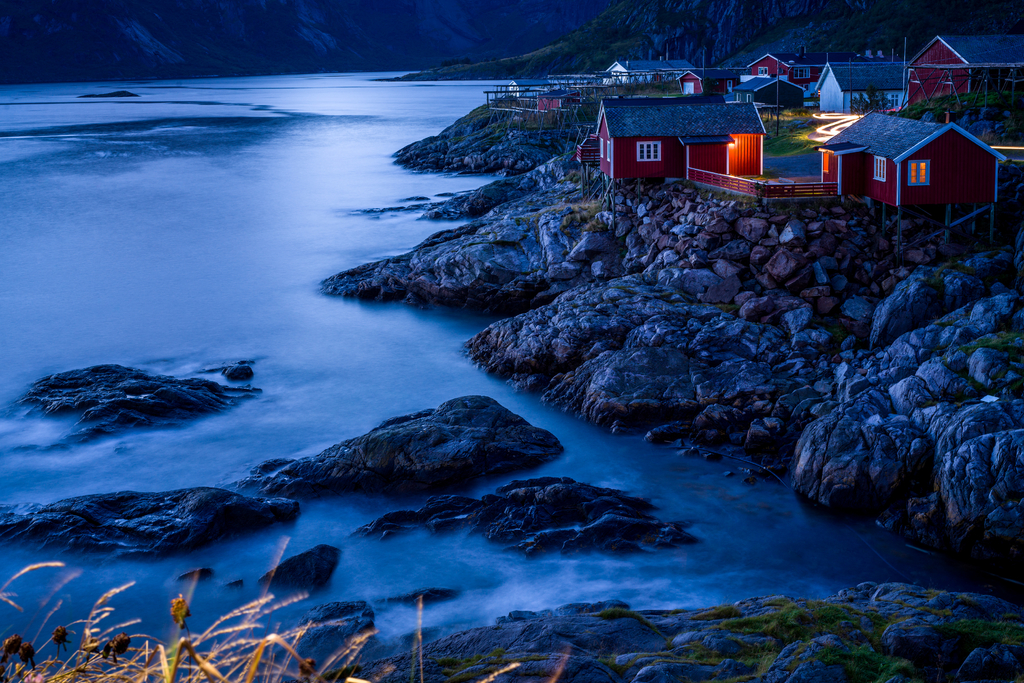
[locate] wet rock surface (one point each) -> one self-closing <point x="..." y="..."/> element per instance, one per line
<point x="308" y="570"/>
<point x="130" y="523"/>
<point x="461" y="439"/>
<point x="112" y="398"/>
<point x="892" y="631"/>
<point x="543" y="515"/>
<point x="476" y="144"/>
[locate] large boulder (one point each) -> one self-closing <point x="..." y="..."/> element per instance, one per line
<point x="858" y="459"/>
<point x="308" y="570"/>
<point x="921" y="298"/>
<point x="461" y="439"/>
<point x="549" y="514"/>
<point x="112" y="398"/>
<point x="331" y="627"/>
<point x="130" y="523"/>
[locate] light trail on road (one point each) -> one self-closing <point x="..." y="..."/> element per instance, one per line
<point x="833" y="125"/>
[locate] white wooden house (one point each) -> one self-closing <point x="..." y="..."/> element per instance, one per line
<point x="842" y="84"/>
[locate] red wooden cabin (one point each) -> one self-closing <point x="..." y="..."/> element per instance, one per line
<point x="556" y="99"/>
<point x="932" y="71"/>
<point x="802" y="68"/>
<point x="664" y="139"/>
<point x="902" y="162"/>
<point x="720" y="81"/>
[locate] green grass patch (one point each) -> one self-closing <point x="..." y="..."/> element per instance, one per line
<point x="622" y="613"/>
<point x="864" y="665"/>
<point x="975" y="633"/>
<point x="720" y="612"/>
<point x="789" y="623"/>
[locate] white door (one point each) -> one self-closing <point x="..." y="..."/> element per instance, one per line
<point x="687" y="88"/>
<point x="728" y="85"/>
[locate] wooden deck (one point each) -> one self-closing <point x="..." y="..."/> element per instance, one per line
<point x="761" y="188"/>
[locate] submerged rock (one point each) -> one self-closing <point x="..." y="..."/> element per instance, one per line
<point x="113" y="398"/>
<point x="130" y="523"/>
<point x="331" y="627"/>
<point x="308" y="570"/>
<point x="543" y="515"/>
<point x="461" y="439"/>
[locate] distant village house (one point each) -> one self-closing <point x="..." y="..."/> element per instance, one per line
<point x="647" y="70"/>
<point x="771" y="91"/>
<point x="843" y="86"/>
<point x="934" y="72"/>
<point x="701" y="81"/>
<point x="803" y="68"/>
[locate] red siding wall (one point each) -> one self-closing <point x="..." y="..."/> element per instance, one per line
<point x="772" y="64"/>
<point x="714" y="158"/>
<point x="928" y="83"/>
<point x="698" y="87"/>
<point x="671" y="165"/>
<point x="961" y="172"/>
<point x="744" y="155"/>
<point x="829" y="167"/>
<point x="855" y="166"/>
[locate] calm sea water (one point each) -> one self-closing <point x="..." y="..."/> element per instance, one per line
<point x="190" y="227"/>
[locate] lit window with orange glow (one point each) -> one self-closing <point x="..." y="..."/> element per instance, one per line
<point x="918" y="172"/>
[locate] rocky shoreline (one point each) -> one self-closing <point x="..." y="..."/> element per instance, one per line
<point x="791" y="334"/>
<point x="891" y="633"/>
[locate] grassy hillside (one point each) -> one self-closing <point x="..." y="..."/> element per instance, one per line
<point x="727" y="31"/>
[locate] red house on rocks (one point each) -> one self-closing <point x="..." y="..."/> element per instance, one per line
<point x="802" y="68"/>
<point x="659" y="139"/>
<point x="933" y="71"/>
<point x="901" y="162"/>
<point x="699" y="81"/>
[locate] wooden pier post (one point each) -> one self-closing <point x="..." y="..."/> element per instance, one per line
<point x="949" y="219"/>
<point x="899" y="232"/>
<point x="992" y="223"/>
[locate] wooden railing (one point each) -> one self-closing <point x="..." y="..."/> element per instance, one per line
<point x="761" y="188"/>
<point x="589" y="151"/>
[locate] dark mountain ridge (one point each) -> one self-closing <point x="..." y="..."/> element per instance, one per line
<point x="61" y="40"/>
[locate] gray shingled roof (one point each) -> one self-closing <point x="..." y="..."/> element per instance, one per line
<point x="713" y="73"/>
<point x="656" y="64"/>
<point x="887" y="136"/>
<point x="988" y="49"/>
<point x="755" y="84"/>
<point x="692" y="121"/>
<point x="858" y="76"/>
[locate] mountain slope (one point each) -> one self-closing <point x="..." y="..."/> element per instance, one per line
<point x="45" y="40"/>
<point x="731" y="30"/>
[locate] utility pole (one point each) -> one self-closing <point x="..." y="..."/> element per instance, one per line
<point x="778" y="105"/>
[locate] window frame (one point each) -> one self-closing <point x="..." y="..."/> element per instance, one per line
<point x="762" y="71"/>
<point x="927" y="173"/>
<point x="800" y="72"/>
<point x="655" y="149"/>
<point x="880" y="162"/>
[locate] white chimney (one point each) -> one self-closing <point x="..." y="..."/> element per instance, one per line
<point x="880" y="54"/>
<point x="867" y="53"/>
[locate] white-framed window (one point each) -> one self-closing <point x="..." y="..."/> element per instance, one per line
<point x="648" y="151"/>
<point x="602" y="148"/>
<point x="800" y="72"/>
<point x="880" y="168"/>
<point x="762" y="71"/>
<point x="919" y="172"/>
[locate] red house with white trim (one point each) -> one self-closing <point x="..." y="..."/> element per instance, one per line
<point x="665" y="138"/>
<point x="556" y="99"/>
<point x="903" y="162"/>
<point x="802" y="68"/>
<point x="719" y="81"/>
<point x="932" y="71"/>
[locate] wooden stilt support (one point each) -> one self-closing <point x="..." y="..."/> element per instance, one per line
<point x="992" y="223"/>
<point x="974" y="221"/>
<point x="884" y="206"/>
<point x="899" y="232"/>
<point x="949" y="219"/>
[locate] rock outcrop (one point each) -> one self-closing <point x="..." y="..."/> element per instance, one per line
<point x="543" y="515"/>
<point x="461" y="439"/>
<point x="112" y="398"/>
<point x="885" y="632"/>
<point x="130" y="523"/>
<point x="308" y="570"/>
